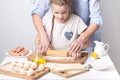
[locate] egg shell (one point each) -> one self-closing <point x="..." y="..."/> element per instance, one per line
<point x="30" y="72"/>
<point x="20" y="64"/>
<point x="33" y="65"/>
<point x="26" y="66"/>
<point x="22" y="71"/>
<point x="41" y="67"/>
<point x="13" y="64"/>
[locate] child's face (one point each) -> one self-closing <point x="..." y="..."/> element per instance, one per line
<point x="61" y="13"/>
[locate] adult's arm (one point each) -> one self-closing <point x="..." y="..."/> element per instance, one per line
<point x="95" y="24"/>
<point x="37" y="15"/>
<point x="95" y="19"/>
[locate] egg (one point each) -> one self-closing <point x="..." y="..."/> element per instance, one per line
<point x="30" y="72"/>
<point x="13" y="64"/>
<point x="22" y="71"/>
<point x="29" y="62"/>
<point x="41" y="67"/>
<point x="17" y="69"/>
<point x="26" y="66"/>
<point x="33" y="65"/>
<point x="20" y="64"/>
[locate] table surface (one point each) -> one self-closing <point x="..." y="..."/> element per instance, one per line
<point x="108" y="74"/>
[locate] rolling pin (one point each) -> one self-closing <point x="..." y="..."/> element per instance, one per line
<point x="57" y="53"/>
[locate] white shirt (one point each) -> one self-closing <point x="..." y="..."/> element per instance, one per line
<point x="63" y="34"/>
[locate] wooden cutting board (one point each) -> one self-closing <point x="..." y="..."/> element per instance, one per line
<point x="18" y="75"/>
<point x="82" y="59"/>
<point x="67" y="74"/>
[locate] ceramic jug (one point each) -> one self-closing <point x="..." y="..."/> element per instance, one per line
<point x="101" y="48"/>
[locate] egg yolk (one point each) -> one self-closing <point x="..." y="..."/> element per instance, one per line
<point x="94" y="55"/>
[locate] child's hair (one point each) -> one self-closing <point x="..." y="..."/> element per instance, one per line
<point x="62" y="2"/>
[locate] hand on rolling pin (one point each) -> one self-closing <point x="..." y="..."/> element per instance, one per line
<point x="76" y="47"/>
<point x="44" y="43"/>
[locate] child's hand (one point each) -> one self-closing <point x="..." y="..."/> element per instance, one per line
<point x="76" y="47"/>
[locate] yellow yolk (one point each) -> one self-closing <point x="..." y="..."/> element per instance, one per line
<point x="39" y="61"/>
<point x="94" y="55"/>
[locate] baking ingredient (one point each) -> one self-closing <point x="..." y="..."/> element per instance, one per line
<point x="69" y="67"/>
<point x="26" y="68"/>
<point x="30" y="72"/>
<point x="40" y="60"/>
<point x="101" y="64"/>
<point x="38" y="55"/>
<point x="33" y="65"/>
<point x="41" y="67"/>
<point x="94" y="55"/>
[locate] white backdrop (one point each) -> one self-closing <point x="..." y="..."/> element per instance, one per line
<point x="111" y="28"/>
<point x="16" y="27"/>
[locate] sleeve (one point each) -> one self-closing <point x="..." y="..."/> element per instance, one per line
<point x="81" y="26"/>
<point x="41" y="8"/>
<point x="95" y="14"/>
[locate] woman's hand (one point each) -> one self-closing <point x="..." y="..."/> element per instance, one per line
<point x="76" y="47"/>
<point x="44" y="43"/>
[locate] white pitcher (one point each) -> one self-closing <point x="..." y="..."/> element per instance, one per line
<point x="101" y="48"/>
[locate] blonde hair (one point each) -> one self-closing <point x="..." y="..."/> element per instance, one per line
<point x="61" y="2"/>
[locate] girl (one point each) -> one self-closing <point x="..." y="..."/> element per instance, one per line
<point x="62" y="27"/>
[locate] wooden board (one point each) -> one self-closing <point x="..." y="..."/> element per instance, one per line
<point x="67" y="74"/>
<point x="18" y="75"/>
<point x="82" y="59"/>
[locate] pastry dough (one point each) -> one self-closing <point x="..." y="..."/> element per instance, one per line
<point x="69" y="67"/>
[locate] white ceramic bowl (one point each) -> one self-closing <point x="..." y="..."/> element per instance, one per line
<point x="101" y="64"/>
